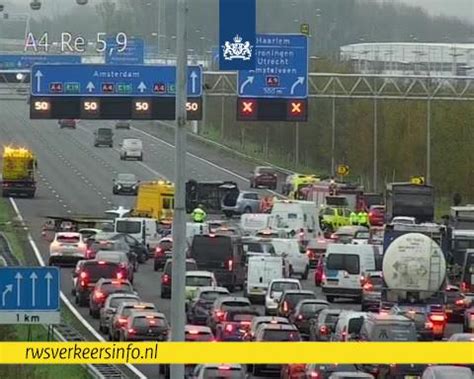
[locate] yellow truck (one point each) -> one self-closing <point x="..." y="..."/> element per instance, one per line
<point x="18" y="172"/>
<point x="155" y="200"/>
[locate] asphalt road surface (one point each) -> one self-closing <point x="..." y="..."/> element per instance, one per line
<point x="76" y="178"/>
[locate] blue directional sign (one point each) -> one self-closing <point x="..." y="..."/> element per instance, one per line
<point x="111" y="80"/>
<point x="29" y="295"/>
<point x="134" y="52"/>
<point x="281" y="68"/>
<point x="12" y="62"/>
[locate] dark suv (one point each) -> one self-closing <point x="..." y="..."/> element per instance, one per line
<point x="103" y="137"/>
<point x="125" y="184"/>
<point x="290" y="299"/>
<point x="89" y="274"/>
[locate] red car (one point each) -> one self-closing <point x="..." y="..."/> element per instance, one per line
<point x="67" y="123"/>
<point x="319" y="272"/>
<point x="265" y="177"/>
<point x="377" y="215"/>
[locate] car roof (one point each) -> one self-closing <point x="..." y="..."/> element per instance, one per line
<point x="267" y="319"/>
<point x="213" y="289"/>
<point x="115" y="281"/>
<point x="462" y="336"/>
<point x="141" y="303"/>
<point x="95" y="262"/>
<point x="124" y="295"/>
<point x="233" y="298"/>
<point x="278" y="327"/>
<point x="313" y="301"/>
<point x="285" y="280"/>
<point x="291" y="292"/>
<point x="205" y="274"/>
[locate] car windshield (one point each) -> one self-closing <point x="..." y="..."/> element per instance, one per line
<point x="110" y="257"/>
<point x="198" y="335"/>
<point x="265" y="170"/>
<point x="126" y="178"/>
<point x="128" y="227"/>
<point x="117" y="287"/>
<point x="211" y="295"/>
<point x="295" y="298"/>
<point x="149" y="321"/>
<point x="115" y="302"/>
<point x="280" y="335"/>
<point x="68" y="239"/>
<point x="311" y="308"/>
<point x="284" y="286"/>
<point x="166" y="245"/>
<point x="107" y="270"/>
<point x="242" y="317"/>
<point x="234" y="304"/>
<point x="198" y="281"/>
<point x="362" y="235"/>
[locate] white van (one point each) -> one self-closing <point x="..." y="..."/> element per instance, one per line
<point x="261" y="270"/>
<point x="143" y="229"/>
<point x="131" y="148"/>
<point x="251" y="223"/>
<point x="298" y="260"/>
<point x="349" y="323"/>
<point x="194" y="228"/>
<point x="298" y="218"/>
<point x="344" y="265"/>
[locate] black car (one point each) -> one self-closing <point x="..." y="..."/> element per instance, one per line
<point x="304" y="311"/>
<point x="104" y="137"/>
<point x="125" y="184"/>
<point x="166" y="276"/>
<point x="199" y="310"/>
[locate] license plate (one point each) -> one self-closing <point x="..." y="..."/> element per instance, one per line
<point x="437" y="329"/>
<point x="412" y="377"/>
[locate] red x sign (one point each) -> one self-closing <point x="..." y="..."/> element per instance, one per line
<point x="247" y="106"/>
<point x="296" y="107"/>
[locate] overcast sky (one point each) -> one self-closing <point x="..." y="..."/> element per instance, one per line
<point x="458" y="8"/>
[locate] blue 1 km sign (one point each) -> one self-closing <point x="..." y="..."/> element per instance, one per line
<point x="29" y="295"/>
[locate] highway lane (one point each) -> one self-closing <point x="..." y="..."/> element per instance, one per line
<point x="67" y="159"/>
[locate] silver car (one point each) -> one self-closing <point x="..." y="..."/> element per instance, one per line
<point x="110" y="307"/>
<point x="237" y="203"/>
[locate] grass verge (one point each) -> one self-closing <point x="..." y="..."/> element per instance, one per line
<point x="17" y="238"/>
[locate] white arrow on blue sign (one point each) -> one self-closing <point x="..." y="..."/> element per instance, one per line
<point x="111" y="80"/>
<point x="29" y="289"/>
<point x="281" y="68"/>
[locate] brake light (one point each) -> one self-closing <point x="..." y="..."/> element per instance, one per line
<point x="193" y="332"/>
<point x="83" y="275"/>
<point x="274" y="322"/>
<point x="247" y="323"/>
<point x="285" y="306"/>
<point x="122" y="320"/>
<point x="101" y="262"/>
<point x="224" y="368"/>
<point x="464" y="287"/>
<point x="460" y="302"/>
<point x="368" y="286"/>
<point x="229" y="328"/>
<point x="315" y="375"/>
<point x="159" y="252"/>
<point x="220" y="315"/>
<point x="333" y="236"/>
<point x="323" y="329"/>
<point x="165" y="279"/>
<point x="152" y="322"/>
<point x="370" y="214"/>
<point x="131" y="331"/>
<point x="120" y="275"/>
<point x="88" y="253"/>
<point x="300" y="317"/>
<point x="344" y="335"/>
<point x="99" y="295"/>
<point x="83" y="283"/>
<point x="230" y="264"/>
<point x="437" y="317"/>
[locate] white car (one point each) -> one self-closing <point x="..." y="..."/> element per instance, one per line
<point x="361" y="237"/>
<point x="196" y="279"/>
<point x="275" y="290"/>
<point x="404" y="220"/>
<point x="131" y="148"/>
<point x="67" y="247"/>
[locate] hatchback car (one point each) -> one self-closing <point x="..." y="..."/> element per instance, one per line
<point x="110" y="307"/>
<point x="67" y="123"/>
<point x="167" y="275"/>
<point x="122" y="124"/>
<point x="145" y="326"/>
<point x="67" y="248"/>
<point x="103" y="289"/>
<point x="198" y="310"/>
<point x="291" y="298"/>
<point x="125" y="184"/>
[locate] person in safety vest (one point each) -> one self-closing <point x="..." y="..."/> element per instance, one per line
<point x="363" y="218"/>
<point x="353" y="219"/>
<point x="199" y="215"/>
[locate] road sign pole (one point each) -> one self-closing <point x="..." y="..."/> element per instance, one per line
<point x="375" y="143"/>
<point x="297" y="145"/>
<point x="179" y="219"/>
<point x="333" y="137"/>
<point x="428" y="141"/>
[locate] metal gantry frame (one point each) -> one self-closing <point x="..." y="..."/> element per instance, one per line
<point x="374" y="87"/>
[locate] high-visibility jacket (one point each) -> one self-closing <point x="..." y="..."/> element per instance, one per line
<point x="363" y="218"/>
<point x="353" y="218"/>
<point x="198" y="215"/>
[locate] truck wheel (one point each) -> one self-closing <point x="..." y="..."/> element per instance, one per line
<point x="248" y="210"/>
<point x="330" y="299"/>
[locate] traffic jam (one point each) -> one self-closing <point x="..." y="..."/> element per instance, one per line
<point x="320" y="260"/>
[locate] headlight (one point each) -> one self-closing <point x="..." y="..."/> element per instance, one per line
<point x="119" y="186"/>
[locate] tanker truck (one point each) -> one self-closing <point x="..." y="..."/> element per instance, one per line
<point x="414" y="269"/>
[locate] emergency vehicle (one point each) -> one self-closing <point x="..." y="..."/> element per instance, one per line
<point x="155" y="200"/>
<point x="321" y="192"/>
